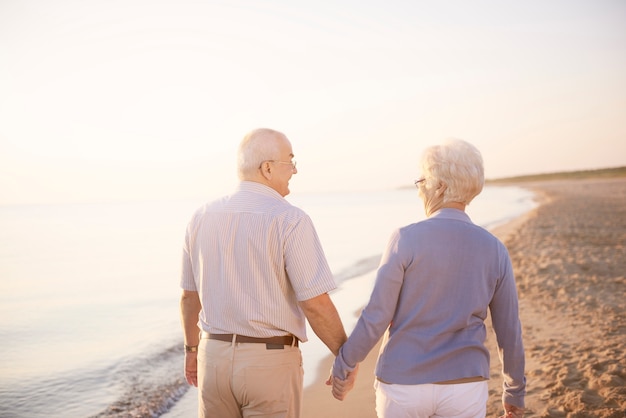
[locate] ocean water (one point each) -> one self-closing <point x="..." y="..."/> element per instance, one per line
<point x="89" y="323"/>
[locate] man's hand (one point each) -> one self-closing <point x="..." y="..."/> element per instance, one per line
<point x="190" y="307"/>
<point x="512" y="411"/>
<point x="191" y="368"/>
<point x="340" y="387"/>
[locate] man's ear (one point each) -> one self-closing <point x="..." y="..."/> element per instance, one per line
<point x="266" y="170"/>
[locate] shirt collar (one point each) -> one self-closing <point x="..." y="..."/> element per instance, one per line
<point x="449" y="213"/>
<point x="256" y="187"/>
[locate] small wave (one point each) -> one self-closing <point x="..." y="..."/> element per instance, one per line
<point x="150" y="386"/>
<point x="361" y="267"/>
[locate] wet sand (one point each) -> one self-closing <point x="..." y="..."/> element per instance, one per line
<point x="569" y="258"/>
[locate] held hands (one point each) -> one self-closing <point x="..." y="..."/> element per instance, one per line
<point x="512" y="411"/>
<point x="340" y="388"/>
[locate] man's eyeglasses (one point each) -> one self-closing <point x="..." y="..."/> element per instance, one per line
<point x="417" y="182"/>
<point x="291" y="163"/>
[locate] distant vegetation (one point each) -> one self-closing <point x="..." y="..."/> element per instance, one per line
<point x="563" y="175"/>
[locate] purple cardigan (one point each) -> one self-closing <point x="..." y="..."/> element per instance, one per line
<point x="436" y="281"/>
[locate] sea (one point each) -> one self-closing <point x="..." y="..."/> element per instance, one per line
<point x="89" y="293"/>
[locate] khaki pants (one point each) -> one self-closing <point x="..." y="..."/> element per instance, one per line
<point x="246" y="379"/>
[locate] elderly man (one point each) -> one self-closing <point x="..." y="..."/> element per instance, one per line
<point x="253" y="269"/>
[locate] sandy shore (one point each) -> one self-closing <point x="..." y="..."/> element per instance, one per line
<point x="569" y="257"/>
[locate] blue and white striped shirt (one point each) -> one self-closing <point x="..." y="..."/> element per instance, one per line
<point x="252" y="256"/>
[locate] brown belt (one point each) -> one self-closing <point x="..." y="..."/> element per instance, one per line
<point x="273" y="341"/>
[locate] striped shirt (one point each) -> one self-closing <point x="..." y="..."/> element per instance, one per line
<point x="252" y="256"/>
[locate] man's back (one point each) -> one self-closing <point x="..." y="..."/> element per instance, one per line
<point x="239" y="250"/>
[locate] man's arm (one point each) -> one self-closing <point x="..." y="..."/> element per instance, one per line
<point x="189" y="310"/>
<point x="325" y="321"/>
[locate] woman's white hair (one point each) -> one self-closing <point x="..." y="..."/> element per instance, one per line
<point x="457" y="164"/>
<point x="257" y="146"/>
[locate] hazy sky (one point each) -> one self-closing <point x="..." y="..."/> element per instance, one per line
<point x="135" y="99"/>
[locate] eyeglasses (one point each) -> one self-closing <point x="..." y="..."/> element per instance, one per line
<point x="291" y="163"/>
<point x="417" y="182"/>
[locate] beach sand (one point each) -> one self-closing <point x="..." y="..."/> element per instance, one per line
<point x="569" y="259"/>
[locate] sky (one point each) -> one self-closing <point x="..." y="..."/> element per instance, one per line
<point x="136" y="99"/>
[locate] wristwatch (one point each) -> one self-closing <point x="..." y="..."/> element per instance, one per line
<point x="191" y="348"/>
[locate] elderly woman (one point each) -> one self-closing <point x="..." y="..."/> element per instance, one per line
<point x="436" y="281"/>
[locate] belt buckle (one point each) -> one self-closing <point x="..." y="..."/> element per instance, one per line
<point x="270" y="346"/>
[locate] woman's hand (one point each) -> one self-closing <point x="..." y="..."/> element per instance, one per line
<point x="512" y="411"/>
